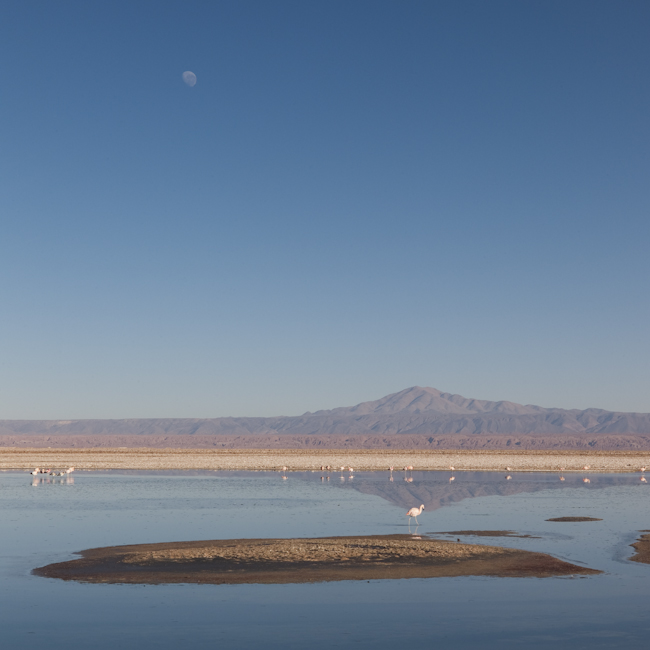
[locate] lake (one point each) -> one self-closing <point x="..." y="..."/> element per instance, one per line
<point x="45" y="521"/>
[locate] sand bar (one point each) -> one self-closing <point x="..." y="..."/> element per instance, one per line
<point x="275" y="561"/>
<point x="642" y="548"/>
<point x="308" y="459"/>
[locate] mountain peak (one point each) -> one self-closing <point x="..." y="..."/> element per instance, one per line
<point x="418" y="399"/>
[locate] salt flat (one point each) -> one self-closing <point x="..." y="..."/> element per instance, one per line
<point x="306" y="460"/>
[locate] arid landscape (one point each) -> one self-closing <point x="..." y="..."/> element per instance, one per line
<point x="415" y="418"/>
<point x="310" y="460"/>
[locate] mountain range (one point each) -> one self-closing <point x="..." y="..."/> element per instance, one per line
<point x="412" y="412"/>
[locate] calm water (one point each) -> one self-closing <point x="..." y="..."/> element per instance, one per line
<point x="48" y="521"/>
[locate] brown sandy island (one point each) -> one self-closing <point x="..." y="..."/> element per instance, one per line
<point x="642" y="548"/>
<point x="12" y="458"/>
<point x="573" y="519"/>
<point x="325" y="559"/>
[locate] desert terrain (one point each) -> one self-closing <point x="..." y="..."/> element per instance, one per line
<point x="12" y="458"/>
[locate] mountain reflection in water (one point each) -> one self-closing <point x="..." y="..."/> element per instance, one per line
<point x="434" y="489"/>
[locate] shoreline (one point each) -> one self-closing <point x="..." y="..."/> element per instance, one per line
<point x="19" y="459"/>
<point x="642" y="548"/>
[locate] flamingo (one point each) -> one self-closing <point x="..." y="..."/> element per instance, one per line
<point x="586" y="467"/>
<point x="35" y="472"/>
<point x="452" y="468"/>
<point x="643" y="469"/>
<point x="414" y="512"/>
<point x="508" y="469"/>
<point x="69" y="470"/>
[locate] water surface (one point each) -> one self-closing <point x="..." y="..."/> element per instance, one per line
<point x="48" y="521"/>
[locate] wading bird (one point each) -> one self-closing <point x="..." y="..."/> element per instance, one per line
<point x="414" y="512"/>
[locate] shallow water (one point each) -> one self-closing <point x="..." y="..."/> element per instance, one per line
<point x="48" y="521"/>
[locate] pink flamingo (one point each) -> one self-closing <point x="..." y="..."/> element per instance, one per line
<point x="414" y="512"/>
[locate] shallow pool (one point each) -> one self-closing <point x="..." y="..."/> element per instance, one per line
<point x="47" y="521"/>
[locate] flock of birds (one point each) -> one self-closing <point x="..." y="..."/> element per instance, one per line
<point x="408" y="477"/>
<point x="52" y="472"/>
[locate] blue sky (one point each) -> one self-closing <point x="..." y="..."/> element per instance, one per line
<point x="356" y="197"/>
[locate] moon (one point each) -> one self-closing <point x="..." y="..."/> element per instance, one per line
<point x="189" y="78"/>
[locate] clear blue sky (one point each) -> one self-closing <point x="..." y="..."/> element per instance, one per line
<point x="356" y="197"/>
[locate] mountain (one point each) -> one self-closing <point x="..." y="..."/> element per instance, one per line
<point x="414" y="411"/>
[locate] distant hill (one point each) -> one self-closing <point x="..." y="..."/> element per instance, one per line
<point x="414" y="412"/>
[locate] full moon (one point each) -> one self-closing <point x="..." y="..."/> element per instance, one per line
<point x="189" y="78"/>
